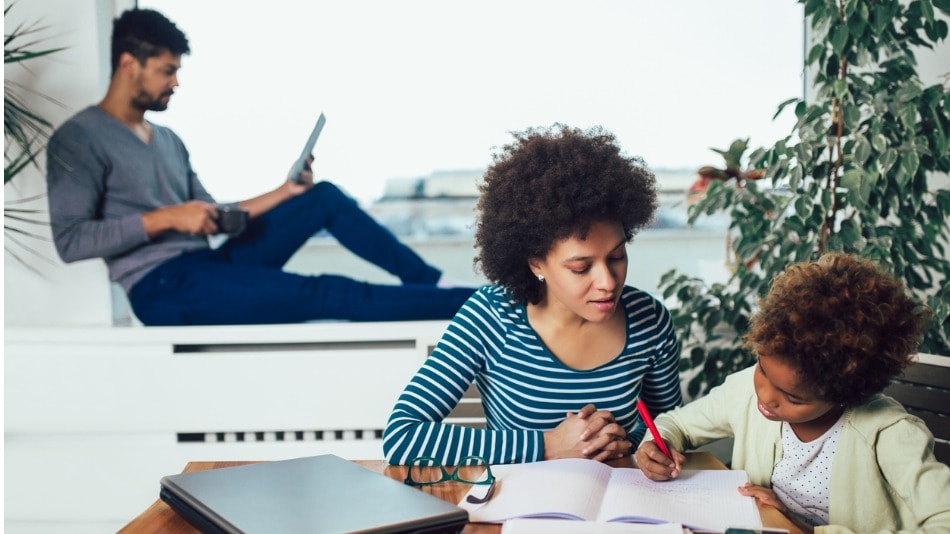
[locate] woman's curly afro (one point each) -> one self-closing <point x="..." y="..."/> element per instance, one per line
<point x="552" y="184"/>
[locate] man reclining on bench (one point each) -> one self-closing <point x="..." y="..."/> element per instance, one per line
<point x="122" y="188"/>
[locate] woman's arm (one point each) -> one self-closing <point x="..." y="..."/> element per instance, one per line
<point x="415" y="427"/>
<point x="661" y="390"/>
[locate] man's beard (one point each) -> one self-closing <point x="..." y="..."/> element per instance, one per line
<point x="145" y="102"/>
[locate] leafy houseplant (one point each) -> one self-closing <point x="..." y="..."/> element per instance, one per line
<point x="25" y="132"/>
<point x="851" y="177"/>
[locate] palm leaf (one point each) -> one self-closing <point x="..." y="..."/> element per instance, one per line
<point x="25" y="131"/>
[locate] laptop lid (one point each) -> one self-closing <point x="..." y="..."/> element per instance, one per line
<point x="314" y="494"/>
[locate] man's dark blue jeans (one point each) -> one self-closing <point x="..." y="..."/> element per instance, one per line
<point x="242" y="281"/>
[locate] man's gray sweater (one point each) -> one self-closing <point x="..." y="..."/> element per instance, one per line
<point x="101" y="178"/>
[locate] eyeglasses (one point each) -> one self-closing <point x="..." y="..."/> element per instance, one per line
<point x="422" y="472"/>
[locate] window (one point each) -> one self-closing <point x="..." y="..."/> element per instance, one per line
<point x="417" y="92"/>
<point x="421" y="86"/>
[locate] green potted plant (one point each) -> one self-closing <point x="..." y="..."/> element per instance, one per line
<point x="852" y="176"/>
<point x="25" y="131"/>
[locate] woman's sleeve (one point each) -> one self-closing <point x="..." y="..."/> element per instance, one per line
<point x="415" y="427"/>
<point x="661" y="390"/>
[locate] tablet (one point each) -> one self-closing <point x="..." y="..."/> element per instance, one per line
<point x="298" y="166"/>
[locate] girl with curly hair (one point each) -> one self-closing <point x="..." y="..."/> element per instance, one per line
<point x="818" y="439"/>
<point x="559" y="348"/>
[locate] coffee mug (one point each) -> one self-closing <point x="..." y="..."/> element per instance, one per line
<point x="231" y="220"/>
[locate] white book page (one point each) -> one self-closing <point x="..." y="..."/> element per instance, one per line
<point x="560" y="526"/>
<point x="569" y="489"/>
<point x="701" y="500"/>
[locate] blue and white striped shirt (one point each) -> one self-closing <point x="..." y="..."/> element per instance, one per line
<point x="525" y="390"/>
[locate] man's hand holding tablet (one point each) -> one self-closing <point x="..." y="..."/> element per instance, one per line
<point x="305" y="154"/>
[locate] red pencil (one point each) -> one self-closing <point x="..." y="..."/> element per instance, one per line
<point x="645" y="415"/>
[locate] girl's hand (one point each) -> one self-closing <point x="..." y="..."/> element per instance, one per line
<point x="763" y="494"/>
<point x="768" y="497"/>
<point x="656" y="465"/>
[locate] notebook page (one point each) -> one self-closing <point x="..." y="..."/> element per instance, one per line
<point x="560" y="526"/>
<point x="703" y="500"/>
<point x="569" y="489"/>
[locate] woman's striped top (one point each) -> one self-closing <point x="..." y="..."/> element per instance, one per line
<point x="525" y="390"/>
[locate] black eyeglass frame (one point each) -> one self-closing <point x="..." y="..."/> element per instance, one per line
<point x="490" y="479"/>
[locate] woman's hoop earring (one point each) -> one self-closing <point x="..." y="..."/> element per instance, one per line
<point x="540" y="277"/>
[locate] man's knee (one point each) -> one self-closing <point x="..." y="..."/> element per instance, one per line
<point x="327" y="194"/>
<point x="324" y="188"/>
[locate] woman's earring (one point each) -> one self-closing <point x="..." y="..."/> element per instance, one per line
<point x="540" y="277"/>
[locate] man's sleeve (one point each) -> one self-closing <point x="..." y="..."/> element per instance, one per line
<point x="76" y="179"/>
<point x="198" y="191"/>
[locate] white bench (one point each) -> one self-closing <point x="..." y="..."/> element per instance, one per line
<point x="95" y="416"/>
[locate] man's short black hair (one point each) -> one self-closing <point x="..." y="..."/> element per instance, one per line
<point x="145" y="33"/>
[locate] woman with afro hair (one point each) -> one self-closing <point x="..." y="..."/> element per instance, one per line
<point x="811" y="427"/>
<point x="559" y="348"/>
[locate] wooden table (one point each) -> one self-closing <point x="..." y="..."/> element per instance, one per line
<point x="159" y="518"/>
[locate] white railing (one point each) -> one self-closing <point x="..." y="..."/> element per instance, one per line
<point x="96" y="416"/>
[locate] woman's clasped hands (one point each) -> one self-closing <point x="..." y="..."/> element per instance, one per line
<point x="589" y="433"/>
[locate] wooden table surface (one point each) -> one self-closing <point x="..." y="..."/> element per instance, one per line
<point x="159" y="518"/>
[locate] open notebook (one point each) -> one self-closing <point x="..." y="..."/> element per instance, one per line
<point x="586" y="490"/>
<point x="313" y="494"/>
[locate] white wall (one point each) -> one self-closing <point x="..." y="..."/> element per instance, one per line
<point x="51" y="293"/>
<point x="48" y="292"/>
<point x="79" y="294"/>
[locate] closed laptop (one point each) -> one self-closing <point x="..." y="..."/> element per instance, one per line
<point x="315" y="494"/>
